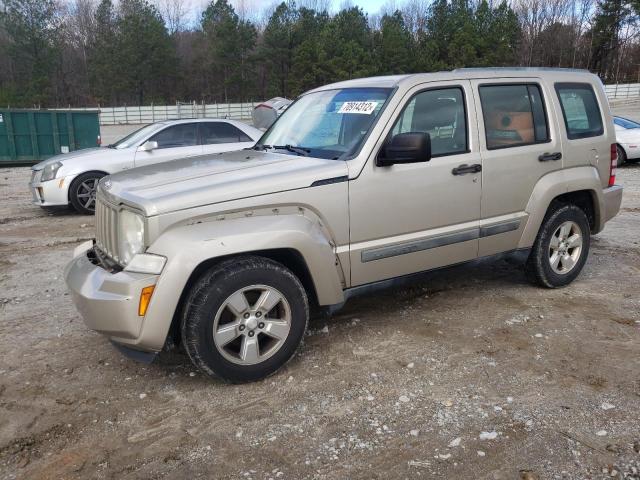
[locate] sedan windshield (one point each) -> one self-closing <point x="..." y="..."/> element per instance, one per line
<point x="134" y="138"/>
<point x="625" y="123"/>
<point x="329" y="124"/>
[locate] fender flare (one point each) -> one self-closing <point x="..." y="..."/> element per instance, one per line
<point x="554" y="184"/>
<point x="189" y="245"/>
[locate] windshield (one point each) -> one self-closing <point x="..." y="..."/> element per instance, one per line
<point x="137" y="136"/>
<point x="329" y="124"/>
<point x="625" y="123"/>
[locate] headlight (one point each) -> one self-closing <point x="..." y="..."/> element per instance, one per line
<point x="131" y="235"/>
<point x="49" y="172"/>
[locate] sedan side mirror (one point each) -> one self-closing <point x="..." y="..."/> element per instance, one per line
<point x="411" y="147"/>
<point x="148" y="146"/>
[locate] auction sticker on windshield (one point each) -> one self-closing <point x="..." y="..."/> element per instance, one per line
<point x="366" y="108"/>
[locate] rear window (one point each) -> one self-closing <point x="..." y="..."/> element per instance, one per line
<point x="580" y="110"/>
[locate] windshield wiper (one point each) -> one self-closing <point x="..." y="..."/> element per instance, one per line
<point x="292" y="148"/>
<point x="111" y="145"/>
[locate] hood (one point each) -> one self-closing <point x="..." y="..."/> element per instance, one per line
<point x="210" y="179"/>
<point x="65" y="157"/>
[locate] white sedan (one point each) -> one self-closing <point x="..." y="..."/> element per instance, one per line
<point x="628" y="139"/>
<point x="72" y="178"/>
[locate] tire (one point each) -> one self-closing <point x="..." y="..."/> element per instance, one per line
<point x="622" y="156"/>
<point x="82" y="192"/>
<point x="251" y="343"/>
<point x="547" y="270"/>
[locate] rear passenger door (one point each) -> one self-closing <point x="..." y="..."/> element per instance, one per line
<point x="219" y="137"/>
<point x="519" y="144"/>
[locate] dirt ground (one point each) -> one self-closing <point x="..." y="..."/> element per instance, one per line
<point x="472" y="373"/>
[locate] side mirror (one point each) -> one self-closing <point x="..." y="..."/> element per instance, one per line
<point x="411" y="147"/>
<point x="148" y="146"/>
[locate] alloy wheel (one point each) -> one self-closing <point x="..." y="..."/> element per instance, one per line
<point x="565" y="247"/>
<point x="252" y="324"/>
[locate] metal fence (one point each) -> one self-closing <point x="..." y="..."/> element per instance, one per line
<point x="155" y="113"/>
<point x="623" y="90"/>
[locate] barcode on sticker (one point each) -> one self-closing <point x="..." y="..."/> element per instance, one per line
<point x="366" y="108"/>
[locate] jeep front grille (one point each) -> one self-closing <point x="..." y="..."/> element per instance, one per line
<point x="107" y="229"/>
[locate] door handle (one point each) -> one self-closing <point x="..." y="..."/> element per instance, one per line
<point x="545" y="157"/>
<point x="464" y="169"/>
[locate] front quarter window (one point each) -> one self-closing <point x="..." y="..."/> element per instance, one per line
<point x="330" y="124"/>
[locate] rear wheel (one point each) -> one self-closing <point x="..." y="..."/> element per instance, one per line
<point x="82" y="192"/>
<point x="245" y="318"/>
<point x="622" y="156"/>
<point x="561" y="247"/>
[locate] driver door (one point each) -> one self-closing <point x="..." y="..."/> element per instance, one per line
<point x="408" y="218"/>
<point x="174" y="142"/>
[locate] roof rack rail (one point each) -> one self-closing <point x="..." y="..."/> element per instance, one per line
<point x="521" y="69"/>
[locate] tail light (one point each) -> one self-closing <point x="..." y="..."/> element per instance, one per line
<point x="613" y="167"/>
<point x="99" y="140"/>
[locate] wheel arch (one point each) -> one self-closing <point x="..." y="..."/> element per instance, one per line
<point x="288" y="257"/>
<point x="580" y="186"/>
<point x="296" y="241"/>
<point x="77" y="177"/>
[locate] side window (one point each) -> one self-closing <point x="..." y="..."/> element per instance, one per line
<point x="183" y="135"/>
<point x="441" y="114"/>
<point x="580" y="110"/>
<point x="513" y="115"/>
<point x="221" y="132"/>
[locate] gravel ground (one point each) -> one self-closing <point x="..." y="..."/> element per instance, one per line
<point x="472" y="373"/>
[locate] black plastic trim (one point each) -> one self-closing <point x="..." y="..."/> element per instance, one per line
<point x="438" y="241"/>
<point x="418" y="245"/>
<point x="518" y="255"/>
<point x="499" y="228"/>
<point x="137" y="355"/>
<point x="329" y="181"/>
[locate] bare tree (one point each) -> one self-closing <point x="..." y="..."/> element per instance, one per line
<point x="174" y="13"/>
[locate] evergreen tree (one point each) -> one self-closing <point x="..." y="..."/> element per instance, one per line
<point x="102" y="61"/>
<point x="610" y="18"/>
<point x="145" y="58"/>
<point x="32" y="27"/>
<point x="347" y="46"/>
<point x="394" y="45"/>
<point x="229" y="43"/>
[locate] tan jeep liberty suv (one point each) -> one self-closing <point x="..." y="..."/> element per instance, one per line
<point x="358" y="184"/>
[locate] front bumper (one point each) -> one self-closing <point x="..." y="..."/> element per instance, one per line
<point x="108" y="302"/>
<point x="51" y="193"/>
<point x="612" y="200"/>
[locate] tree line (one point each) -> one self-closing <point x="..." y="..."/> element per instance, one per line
<point x="89" y="52"/>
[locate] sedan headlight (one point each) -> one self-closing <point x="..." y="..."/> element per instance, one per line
<point x="49" y="172"/>
<point x="131" y="235"/>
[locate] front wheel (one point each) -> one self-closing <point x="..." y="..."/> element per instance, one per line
<point x="244" y="319"/>
<point x="561" y="247"/>
<point x="82" y="192"/>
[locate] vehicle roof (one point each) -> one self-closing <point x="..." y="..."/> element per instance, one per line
<point x="198" y="120"/>
<point x="393" y="81"/>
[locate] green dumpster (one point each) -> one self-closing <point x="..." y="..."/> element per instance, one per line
<point x="29" y="136"/>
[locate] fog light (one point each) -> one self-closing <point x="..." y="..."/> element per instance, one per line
<point x="145" y="298"/>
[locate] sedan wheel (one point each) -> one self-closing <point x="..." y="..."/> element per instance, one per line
<point x="82" y="192"/>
